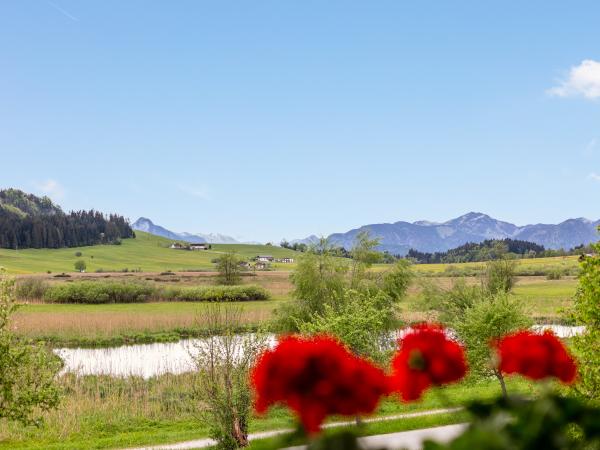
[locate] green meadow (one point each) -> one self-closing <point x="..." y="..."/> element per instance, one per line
<point x="146" y="252"/>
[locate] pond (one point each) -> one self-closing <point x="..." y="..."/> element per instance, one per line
<point x="147" y="360"/>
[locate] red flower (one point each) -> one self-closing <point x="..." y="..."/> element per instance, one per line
<point x="317" y="377"/>
<point x="536" y="356"/>
<point x="426" y="358"/>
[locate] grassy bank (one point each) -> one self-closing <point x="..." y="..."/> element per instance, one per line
<point x="105" y="412"/>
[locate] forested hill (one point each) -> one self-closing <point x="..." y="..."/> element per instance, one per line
<point x="482" y="251"/>
<point x="27" y="221"/>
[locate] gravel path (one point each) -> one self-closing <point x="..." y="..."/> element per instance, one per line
<point x="411" y="437"/>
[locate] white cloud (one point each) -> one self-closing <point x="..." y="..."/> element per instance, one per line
<point x="583" y="80"/>
<point x="589" y="149"/>
<point x="201" y="193"/>
<point x="51" y="188"/>
<point x="594" y="177"/>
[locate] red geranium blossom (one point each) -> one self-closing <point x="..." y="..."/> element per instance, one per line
<point x="317" y="377"/>
<point x="536" y="356"/>
<point x="427" y="357"/>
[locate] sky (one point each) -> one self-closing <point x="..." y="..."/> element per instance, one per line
<point x="279" y="119"/>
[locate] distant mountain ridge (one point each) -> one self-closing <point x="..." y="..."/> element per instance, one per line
<point x="425" y="236"/>
<point x="146" y="225"/>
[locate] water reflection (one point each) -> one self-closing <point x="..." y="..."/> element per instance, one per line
<point x="147" y="360"/>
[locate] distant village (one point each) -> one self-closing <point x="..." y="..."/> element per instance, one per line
<point x="259" y="262"/>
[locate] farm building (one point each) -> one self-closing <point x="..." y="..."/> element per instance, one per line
<point x="264" y="258"/>
<point x="199" y="247"/>
<point x="285" y="260"/>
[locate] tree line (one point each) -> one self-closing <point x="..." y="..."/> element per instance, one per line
<point x="27" y="221"/>
<point x="492" y="249"/>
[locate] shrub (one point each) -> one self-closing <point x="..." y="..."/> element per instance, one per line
<point x="99" y="292"/>
<point x="500" y="275"/>
<point x="28" y="372"/>
<point x="80" y="265"/>
<point x="216" y="294"/>
<point x="554" y="275"/>
<point x="78" y="254"/>
<point x="96" y="292"/>
<point x="30" y="288"/>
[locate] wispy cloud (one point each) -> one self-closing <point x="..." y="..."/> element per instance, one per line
<point x="590" y="148"/>
<point x="63" y="11"/>
<point x="594" y="177"/>
<point x="583" y="81"/>
<point x="201" y="193"/>
<point x="51" y="188"/>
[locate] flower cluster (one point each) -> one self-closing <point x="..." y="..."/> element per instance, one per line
<point x="427" y="357"/>
<point x="317" y="377"/>
<point x="536" y="356"/>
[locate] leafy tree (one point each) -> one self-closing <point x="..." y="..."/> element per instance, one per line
<point x="229" y="269"/>
<point x="319" y="278"/>
<point x="80" y="265"/>
<point x="224" y="363"/>
<point x="363" y="255"/>
<point x="587" y="313"/>
<point x="500" y="275"/>
<point x="395" y="282"/>
<point x="451" y="304"/>
<point x="360" y="321"/>
<point x="487" y="319"/>
<point x="27" y="371"/>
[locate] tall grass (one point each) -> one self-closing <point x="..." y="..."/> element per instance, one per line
<point x="31" y="288"/>
<point x="106" y="325"/>
<point x="121" y="412"/>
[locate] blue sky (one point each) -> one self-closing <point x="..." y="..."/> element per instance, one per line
<point x="273" y="119"/>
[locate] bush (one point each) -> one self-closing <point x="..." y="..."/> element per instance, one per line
<point x="78" y="254"/>
<point x="554" y="275"/>
<point x="216" y="294"/>
<point x="500" y="275"/>
<point x="80" y="265"/>
<point x="99" y="292"/>
<point x="96" y="292"/>
<point x="30" y="288"/>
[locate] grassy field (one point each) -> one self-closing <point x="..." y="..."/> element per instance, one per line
<point x="146" y="252"/>
<point x="114" y="324"/>
<point x="150" y="253"/>
<point x="525" y="265"/>
<point x="104" y="412"/>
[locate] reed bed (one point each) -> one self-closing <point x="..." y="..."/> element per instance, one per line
<point x="89" y="325"/>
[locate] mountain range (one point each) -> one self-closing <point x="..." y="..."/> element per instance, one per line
<point x="425" y="236"/>
<point x="145" y="224"/>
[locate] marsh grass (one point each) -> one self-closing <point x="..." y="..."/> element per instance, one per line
<point x="101" y="325"/>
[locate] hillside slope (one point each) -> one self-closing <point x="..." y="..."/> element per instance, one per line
<point x="28" y="221"/>
<point x="146" y="252"/>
